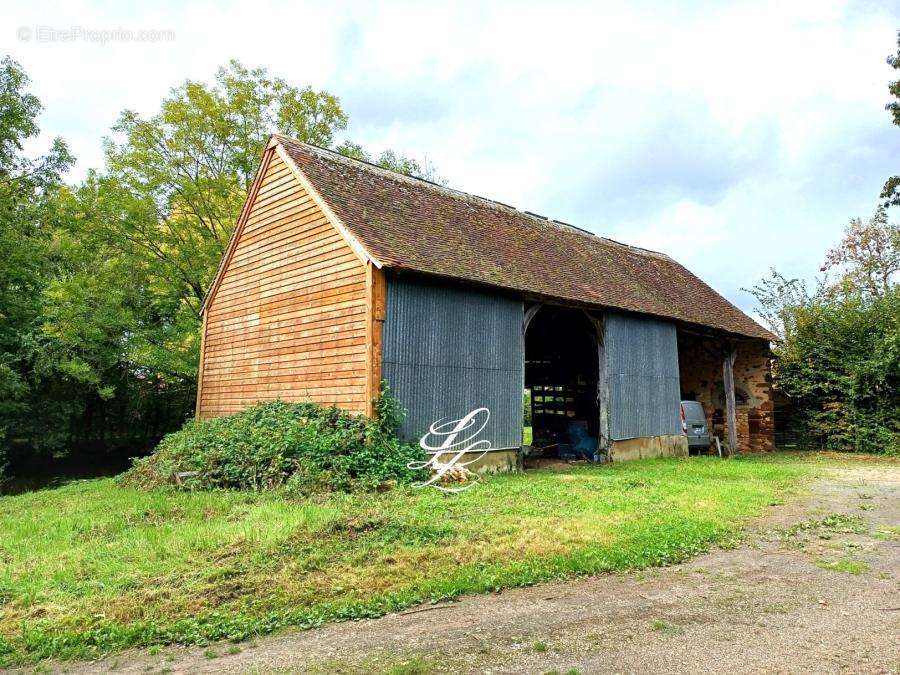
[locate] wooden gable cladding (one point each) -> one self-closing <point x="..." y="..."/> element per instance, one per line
<point x="289" y="314"/>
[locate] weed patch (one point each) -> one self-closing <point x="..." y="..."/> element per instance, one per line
<point x="826" y="527"/>
<point x="847" y="566"/>
<point x="666" y="628"/>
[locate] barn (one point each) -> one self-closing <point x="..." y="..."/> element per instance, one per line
<point x="341" y="275"/>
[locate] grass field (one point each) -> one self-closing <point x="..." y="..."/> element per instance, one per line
<point x="91" y="567"/>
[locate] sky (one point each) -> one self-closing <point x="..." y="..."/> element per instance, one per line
<point x="733" y="136"/>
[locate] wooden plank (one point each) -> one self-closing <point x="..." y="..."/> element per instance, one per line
<point x="341" y="287"/>
<point x="310" y="254"/>
<point x="310" y="348"/>
<point x="730" y="354"/>
<point x="300" y="228"/>
<point x="299" y="273"/>
<point x="265" y="335"/>
<point x="340" y="346"/>
<point x="272" y="368"/>
<point x="322" y="283"/>
<point x="295" y="291"/>
<point x="201" y="366"/>
<point x="298" y="219"/>
<point x="311" y="314"/>
<point x="358" y="248"/>
<point x="343" y="385"/>
<point x="242" y="219"/>
<point x="267" y="270"/>
<point x="288" y="318"/>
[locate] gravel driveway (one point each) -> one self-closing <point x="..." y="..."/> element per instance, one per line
<point x="813" y="588"/>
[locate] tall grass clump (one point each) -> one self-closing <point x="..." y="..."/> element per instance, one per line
<point x="303" y="447"/>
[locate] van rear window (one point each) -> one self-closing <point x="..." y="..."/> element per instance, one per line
<point x="693" y="410"/>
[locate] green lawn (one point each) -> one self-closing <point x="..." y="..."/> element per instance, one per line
<point x="91" y="567"/>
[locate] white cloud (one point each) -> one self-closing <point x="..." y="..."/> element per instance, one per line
<point x="755" y="129"/>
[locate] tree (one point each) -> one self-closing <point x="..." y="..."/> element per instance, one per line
<point x="167" y="201"/>
<point x="777" y="298"/>
<point x="891" y="191"/>
<point x="101" y="283"/>
<point x="868" y="256"/>
<point x="838" y="348"/>
<point x="175" y="183"/>
<point x="27" y="186"/>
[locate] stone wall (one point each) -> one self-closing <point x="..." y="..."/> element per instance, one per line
<point x="700" y="364"/>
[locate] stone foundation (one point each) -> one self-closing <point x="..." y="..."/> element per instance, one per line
<point x="645" y="448"/>
<point x="700" y="363"/>
<point x="495" y="461"/>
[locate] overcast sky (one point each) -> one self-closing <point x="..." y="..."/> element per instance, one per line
<point x="733" y="136"/>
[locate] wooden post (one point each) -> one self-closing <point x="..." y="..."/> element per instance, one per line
<point x="602" y="380"/>
<point x="376" y="305"/>
<point x="730" y="412"/>
<point x="527" y="317"/>
<point x="202" y="359"/>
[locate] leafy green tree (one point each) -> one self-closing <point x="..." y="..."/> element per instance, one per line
<point x="891" y="191"/>
<point x="101" y="283"/>
<point x="153" y="226"/>
<point x="158" y="218"/>
<point x="840" y="368"/>
<point x="27" y="188"/>
<point x="838" y="347"/>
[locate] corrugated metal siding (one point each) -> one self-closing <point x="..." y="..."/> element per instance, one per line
<point x="644" y="391"/>
<point x="450" y="350"/>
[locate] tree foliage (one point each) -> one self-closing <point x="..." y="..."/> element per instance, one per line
<point x="157" y="219"/>
<point x="891" y="191"/>
<point x="101" y="282"/>
<point x="868" y="256"/>
<point x="838" y="348"/>
<point x="27" y="188"/>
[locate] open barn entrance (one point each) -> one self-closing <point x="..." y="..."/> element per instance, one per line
<point x="561" y="375"/>
<point x="702" y="363"/>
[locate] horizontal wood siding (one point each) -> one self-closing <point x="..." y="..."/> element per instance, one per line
<point x="288" y="319"/>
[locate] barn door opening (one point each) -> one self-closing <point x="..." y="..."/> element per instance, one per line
<point x="561" y="375"/>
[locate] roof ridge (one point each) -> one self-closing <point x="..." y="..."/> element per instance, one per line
<point x="537" y="219"/>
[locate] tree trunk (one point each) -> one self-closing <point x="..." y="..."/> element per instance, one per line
<point x="730" y="412"/>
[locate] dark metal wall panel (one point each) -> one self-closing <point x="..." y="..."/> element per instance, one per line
<point x="642" y="363"/>
<point x="449" y="350"/>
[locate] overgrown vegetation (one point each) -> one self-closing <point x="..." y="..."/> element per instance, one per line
<point x="92" y="567"/>
<point x="303" y="446"/>
<point x="838" y="352"/>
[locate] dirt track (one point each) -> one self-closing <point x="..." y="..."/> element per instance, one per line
<point x="770" y="605"/>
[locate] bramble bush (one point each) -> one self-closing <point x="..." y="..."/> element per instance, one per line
<point x="303" y="447"/>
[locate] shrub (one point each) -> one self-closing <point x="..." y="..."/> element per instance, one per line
<point x="305" y="447"/>
<point x="838" y="348"/>
<point x="840" y="364"/>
